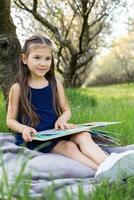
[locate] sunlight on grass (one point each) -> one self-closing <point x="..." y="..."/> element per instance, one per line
<point x="122" y="90"/>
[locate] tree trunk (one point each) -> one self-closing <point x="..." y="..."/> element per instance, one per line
<point x="74" y="76"/>
<point x="9" y="48"/>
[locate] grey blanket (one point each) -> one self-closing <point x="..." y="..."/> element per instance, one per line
<point x="44" y="172"/>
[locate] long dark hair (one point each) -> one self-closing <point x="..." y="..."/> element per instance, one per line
<point x="25" y="107"/>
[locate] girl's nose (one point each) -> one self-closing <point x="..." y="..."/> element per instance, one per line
<point x="43" y="62"/>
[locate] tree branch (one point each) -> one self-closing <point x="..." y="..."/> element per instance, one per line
<point x="85" y="23"/>
<point x="97" y="20"/>
<point x="82" y="33"/>
<point x="21" y="5"/>
<point x="52" y="11"/>
<point x="90" y="8"/>
<point x="97" y="32"/>
<point x="85" y="58"/>
<point x="77" y="7"/>
<point x="35" y="3"/>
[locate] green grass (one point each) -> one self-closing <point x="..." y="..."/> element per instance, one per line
<point x="110" y="103"/>
<point x="17" y="189"/>
<point x="116" y="191"/>
<point x="3" y="127"/>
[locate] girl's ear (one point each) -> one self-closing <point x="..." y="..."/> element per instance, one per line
<point x="24" y="58"/>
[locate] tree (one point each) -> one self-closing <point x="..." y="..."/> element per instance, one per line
<point x="9" y="47"/>
<point x="76" y="26"/>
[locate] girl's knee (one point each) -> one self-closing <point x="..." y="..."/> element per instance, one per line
<point x="86" y="134"/>
<point x="64" y="146"/>
<point x="81" y="136"/>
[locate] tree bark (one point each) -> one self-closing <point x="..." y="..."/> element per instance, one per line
<point x="9" y="48"/>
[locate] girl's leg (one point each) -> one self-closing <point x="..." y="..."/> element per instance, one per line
<point x="88" y="147"/>
<point x="71" y="150"/>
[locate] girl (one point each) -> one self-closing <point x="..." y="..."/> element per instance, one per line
<point x="37" y="102"/>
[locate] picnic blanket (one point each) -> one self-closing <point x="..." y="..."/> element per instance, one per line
<point x="44" y="170"/>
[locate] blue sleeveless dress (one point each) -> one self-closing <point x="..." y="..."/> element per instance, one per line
<point x="42" y="102"/>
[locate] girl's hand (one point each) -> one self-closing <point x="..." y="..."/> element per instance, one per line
<point x="61" y="124"/>
<point x="26" y="134"/>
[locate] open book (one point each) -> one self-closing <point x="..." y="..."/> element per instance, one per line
<point x="100" y="136"/>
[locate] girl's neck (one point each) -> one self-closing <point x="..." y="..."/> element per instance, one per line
<point x="38" y="83"/>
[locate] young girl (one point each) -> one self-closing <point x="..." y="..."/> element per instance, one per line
<point x="37" y="102"/>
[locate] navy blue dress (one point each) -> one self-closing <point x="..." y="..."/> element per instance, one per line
<point x="42" y="101"/>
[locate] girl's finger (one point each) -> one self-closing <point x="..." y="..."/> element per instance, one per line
<point x="30" y="139"/>
<point x="56" y="126"/>
<point x="73" y="126"/>
<point x="67" y="126"/>
<point x="26" y="136"/>
<point x="61" y="127"/>
<point x="34" y="131"/>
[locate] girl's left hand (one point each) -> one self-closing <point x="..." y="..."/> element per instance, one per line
<point x="61" y="124"/>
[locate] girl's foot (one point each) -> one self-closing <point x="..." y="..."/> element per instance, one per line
<point x="117" y="166"/>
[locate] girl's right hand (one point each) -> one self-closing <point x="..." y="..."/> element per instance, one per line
<point x="26" y="134"/>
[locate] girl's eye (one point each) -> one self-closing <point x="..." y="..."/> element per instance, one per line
<point x="48" y="58"/>
<point x="37" y="57"/>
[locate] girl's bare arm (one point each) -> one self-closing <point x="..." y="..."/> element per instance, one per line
<point x="13" y="107"/>
<point x="66" y="112"/>
<point x="61" y="122"/>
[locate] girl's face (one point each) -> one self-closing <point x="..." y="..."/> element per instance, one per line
<point x="38" y="60"/>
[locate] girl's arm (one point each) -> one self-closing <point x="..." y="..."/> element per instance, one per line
<point x="12" y="112"/>
<point x="66" y="112"/>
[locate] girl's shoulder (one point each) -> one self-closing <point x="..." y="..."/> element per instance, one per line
<point x="60" y="87"/>
<point x="59" y="83"/>
<point x="14" y="94"/>
<point x="15" y="88"/>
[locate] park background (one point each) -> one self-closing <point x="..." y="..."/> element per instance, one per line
<point x="94" y="57"/>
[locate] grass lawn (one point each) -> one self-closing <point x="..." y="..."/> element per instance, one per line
<point x="109" y="103"/>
